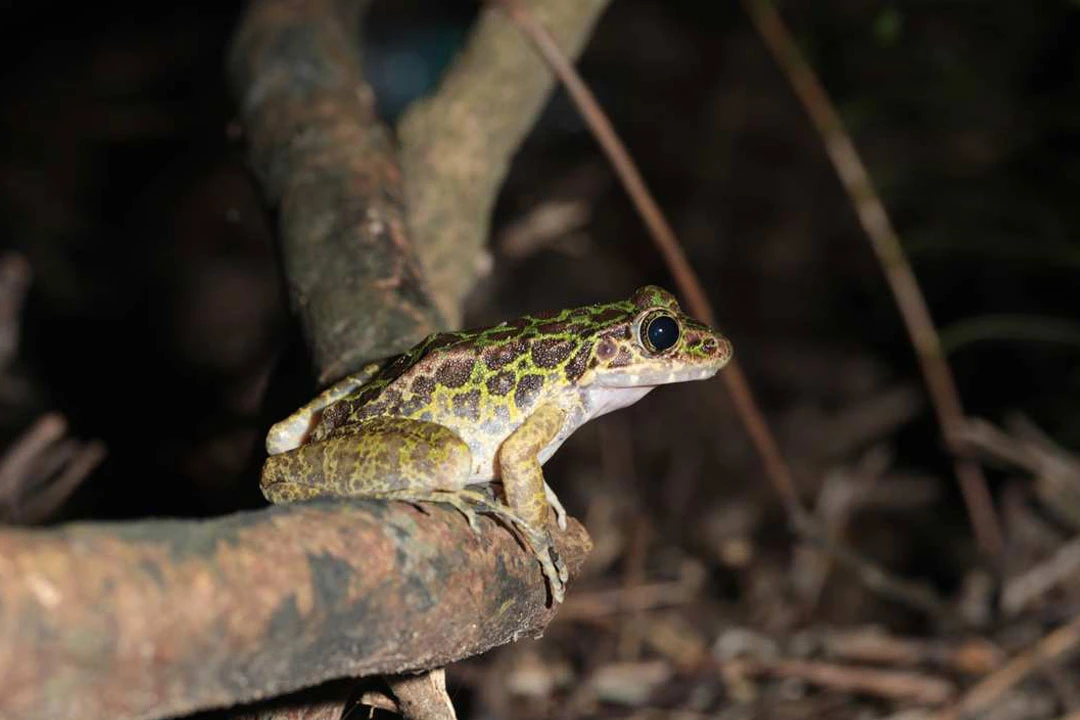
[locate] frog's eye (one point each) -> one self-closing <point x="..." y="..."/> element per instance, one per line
<point x="659" y="332"/>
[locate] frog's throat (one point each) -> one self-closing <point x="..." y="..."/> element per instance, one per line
<point x="645" y="377"/>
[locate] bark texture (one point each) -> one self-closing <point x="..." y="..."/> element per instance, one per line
<point x="155" y="619"/>
<point x="456" y="146"/>
<point x="329" y="166"/>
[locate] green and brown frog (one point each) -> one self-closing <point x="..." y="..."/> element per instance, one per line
<point x="475" y="406"/>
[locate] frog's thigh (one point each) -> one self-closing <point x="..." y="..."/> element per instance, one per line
<point x="378" y="458"/>
<point x="519" y="464"/>
<point x="291" y="432"/>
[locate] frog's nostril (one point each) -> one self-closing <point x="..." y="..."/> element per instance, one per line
<point x="709" y="346"/>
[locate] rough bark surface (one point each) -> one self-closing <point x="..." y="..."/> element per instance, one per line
<point x="328" y="164"/>
<point x="155" y="619"/>
<point x="456" y="146"/>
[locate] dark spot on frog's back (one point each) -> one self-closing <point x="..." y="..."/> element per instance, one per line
<point x="441" y="340"/>
<point x="455" y="373"/>
<point x="550" y="352"/>
<point x="608" y="314"/>
<point x="497" y="356"/>
<point x="554" y="328"/>
<point x="501" y="384"/>
<point x="467" y="405"/>
<point x="528" y="388"/>
<point x="578" y="363"/>
<point x="502" y="335"/>
<point x="423" y="385"/>
<point x="335" y="415"/>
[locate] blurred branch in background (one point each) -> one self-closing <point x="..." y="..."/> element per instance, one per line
<point x="886" y="244"/>
<point x="456" y="145"/>
<point x="326" y="161"/>
<point x="1012" y="328"/>
<point x="42" y="466"/>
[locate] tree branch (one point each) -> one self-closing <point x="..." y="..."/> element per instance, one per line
<point x="329" y="165"/>
<point x="456" y="146"/>
<point x="154" y="619"/>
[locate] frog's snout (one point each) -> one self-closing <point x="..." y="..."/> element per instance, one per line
<point x="719" y="348"/>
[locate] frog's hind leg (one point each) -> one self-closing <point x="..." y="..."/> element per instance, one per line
<point x="291" y="432"/>
<point x="383" y="458"/>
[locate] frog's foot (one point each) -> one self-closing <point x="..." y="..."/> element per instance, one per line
<point x="466" y="501"/>
<point x="471" y="503"/>
<point x="539" y="542"/>
<point x="553" y="500"/>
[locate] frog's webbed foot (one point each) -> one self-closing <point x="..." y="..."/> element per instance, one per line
<point x="553" y="500"/>
<point x="539" y="542"/>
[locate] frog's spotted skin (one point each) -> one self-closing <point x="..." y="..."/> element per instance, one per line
<point x="478" y="405"/>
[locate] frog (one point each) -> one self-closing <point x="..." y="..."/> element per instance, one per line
<point x="462" y="412"/>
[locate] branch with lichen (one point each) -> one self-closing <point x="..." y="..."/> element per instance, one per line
<point x="162" y="618"/>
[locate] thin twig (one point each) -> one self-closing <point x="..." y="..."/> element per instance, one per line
<point x="886" y="243"/>
<point x="1024" y="589"/>
<point x="664" y="237"/>
<point x="915" y="595"/>
<point x="18" y="459"/>
<point x="1061" y="642"/>
<point x="912" y="594"/>
<point x="894" y="684"/>
<point x="82" y="461"/>
<point x="599" y="604"/>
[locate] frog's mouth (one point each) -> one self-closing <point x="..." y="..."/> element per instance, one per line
<point x="651" y="378"/>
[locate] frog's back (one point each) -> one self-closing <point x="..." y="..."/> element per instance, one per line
<point x="480" y="383"/>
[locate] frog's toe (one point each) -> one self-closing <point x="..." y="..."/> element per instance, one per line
<point x="564" y="574"/>
<point x="554" y="568"/>
<point x="464" y="507"/>
<point x="556" y="576"/>
<point x="553" y="501"/>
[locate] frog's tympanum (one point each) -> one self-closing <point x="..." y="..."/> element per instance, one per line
<point x="470" y="407"/>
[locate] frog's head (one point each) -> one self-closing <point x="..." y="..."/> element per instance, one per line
<point x="653" y="342"/>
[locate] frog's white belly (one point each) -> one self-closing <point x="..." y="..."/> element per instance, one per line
<point x="594" y="402"/>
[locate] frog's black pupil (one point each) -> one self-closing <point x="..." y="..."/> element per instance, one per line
<point x="662" y="332"/>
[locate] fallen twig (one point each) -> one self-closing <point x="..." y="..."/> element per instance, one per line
<point x="892" y="684"/>
<point x="1055" y="469"/>
<point x="1022" y="590"/>
<point x="971" y="656"/>
<point x="1053" y="647"/>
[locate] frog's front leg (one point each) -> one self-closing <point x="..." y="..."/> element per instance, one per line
<point x="382" y="458"/>
<point x="526" y="492"/>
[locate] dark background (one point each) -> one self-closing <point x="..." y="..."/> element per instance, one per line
<point x="157" y="320"/>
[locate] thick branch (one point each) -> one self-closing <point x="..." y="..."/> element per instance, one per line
<point x="154" y="619"/>
<point x="327" y="162"/>
<point x="457" y="145"/>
